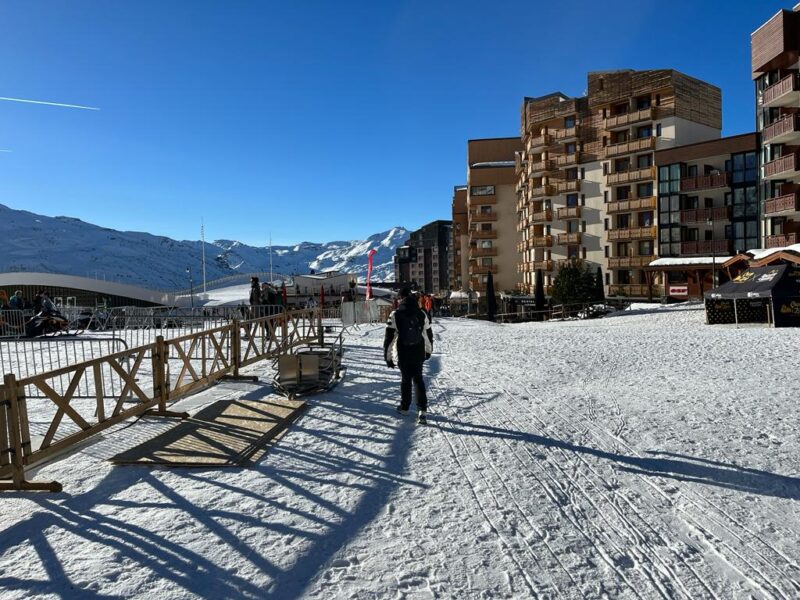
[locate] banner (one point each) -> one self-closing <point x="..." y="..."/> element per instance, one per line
<point x="370" y="254"/>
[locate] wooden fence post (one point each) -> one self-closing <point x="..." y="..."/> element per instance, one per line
<point x="284" y="330"/>
<point x="236" y="346"/>
<point x="320" y="330"/>
<point x="161" y="381"/>
<point x="11" y="406"/>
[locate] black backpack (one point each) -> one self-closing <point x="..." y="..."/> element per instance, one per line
<point x="409" y="327"/>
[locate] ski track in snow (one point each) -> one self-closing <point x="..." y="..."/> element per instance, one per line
<point x="640" y="456"/>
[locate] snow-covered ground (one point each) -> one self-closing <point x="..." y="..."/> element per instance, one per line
<point x="644" y="455"/>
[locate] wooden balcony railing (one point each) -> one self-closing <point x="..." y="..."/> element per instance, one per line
<point x="483" y="217"/>
<point x="569" y="212"/>
<point x="781" y="130"/>
<point x="475" y="252"/>
<point x="566" y="187"/>
<point x="707" y="247"/>
<point x="785" y="203"/>
<point x="484" y="269"/>
<point x="561" y="135"/>
<point x="630" y="262"/>
<point x="539" y="141"/>
<point x="637" y="145"/>
<point x="542" y="191"/>
<point x="483" y="235"/>
<point x="618" y="206"/>
<point x="634" y="290"/>
<point x="542" y="216"/>
<point x="705" y="182"/>
<point x="645" y="114"/>
<point x="776" y="94"/>
<point x="781" y="167"/>
<point x="633" y="233"/>
<point x="541" y="166"/>
<point x="781" y="241"/>
<point x="542" y="265"/>
<point x="568" y="160"/>
<point x="702" y="215"/>
<point x="541" y="241"/>
<point x="631" y="176"/>
<point x="569" y="238"/>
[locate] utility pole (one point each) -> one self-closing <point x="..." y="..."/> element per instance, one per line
<point x="270" y="259"/>
<point x="203" y="244"/>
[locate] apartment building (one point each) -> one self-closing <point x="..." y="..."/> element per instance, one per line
<point x="460" y="243"/>
<point x="491" y="213"/>
<point x="586" y="178"/>
<point x="776" y="73"/>
<point x="708" y="209"/>
<point x="424" y="260"/>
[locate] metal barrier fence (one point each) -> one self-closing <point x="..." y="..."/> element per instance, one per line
<point x="12" y="323"/>
<point x="100" y="392"/>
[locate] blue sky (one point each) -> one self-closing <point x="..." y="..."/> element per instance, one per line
<point x="311" y="120"/>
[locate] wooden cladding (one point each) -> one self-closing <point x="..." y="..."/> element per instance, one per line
<point x="780" y="241"/>
<point x="627" y="119"/>
<point x="703" y="215"/>
<point x="634" y="290"/>
<point x="631" y="176"/>
<point x="566" y="187"/>
<point x="705" y="182"/>
<point x="634" y="233"/>
<point x="483" y="217"/>
<point x="569" y="212"/>
<point x="569" y="238"/>
<point x="637" y="145"/>
<point x="785" y="203"/>
<point x="483" y="235"/>
<point x="779" y="93"/>
<point x="707" y="247"/>
<point x="770" y="41"/>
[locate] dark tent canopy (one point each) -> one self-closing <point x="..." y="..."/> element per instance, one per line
<point x="758" y="295"/>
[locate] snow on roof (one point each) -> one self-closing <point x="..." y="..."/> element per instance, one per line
<point x="491" y="164"/>
<point x="761" y="254"/>
<point x="695" y="260"/>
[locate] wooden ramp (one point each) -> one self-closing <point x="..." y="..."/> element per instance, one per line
<point x="224" y="434"/>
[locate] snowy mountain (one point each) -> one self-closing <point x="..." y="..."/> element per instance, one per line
<point x="67" y="245"/>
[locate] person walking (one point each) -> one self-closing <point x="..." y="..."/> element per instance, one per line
<point x="409" y="339"/>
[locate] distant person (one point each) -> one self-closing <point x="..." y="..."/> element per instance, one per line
<point x="255" y="298"/>
<point x="409" y="337"/>
<point x="17" y="302"/>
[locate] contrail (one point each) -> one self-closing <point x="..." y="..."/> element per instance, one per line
<point x="49" y="103"/>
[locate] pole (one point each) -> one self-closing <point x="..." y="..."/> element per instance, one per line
<point x="270" y="259"/>
<point x="203" y="244"/>
<point x="191" y="286"/>
<point x="713" y="253"/>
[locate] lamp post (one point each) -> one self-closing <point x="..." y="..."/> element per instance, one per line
<point x="710" y="223"/>
<point x="191" y="286"/>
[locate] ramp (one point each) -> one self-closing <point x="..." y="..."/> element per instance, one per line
<point x="224" y="434"/>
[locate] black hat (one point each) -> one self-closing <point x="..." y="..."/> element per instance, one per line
<point x="405" y="292"/>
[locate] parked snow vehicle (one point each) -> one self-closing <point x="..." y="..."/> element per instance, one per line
<point x="46" y="324"/>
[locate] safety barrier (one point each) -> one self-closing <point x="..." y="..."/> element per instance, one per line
<point x="98" y="393"/>
<point x="12" y="323"/>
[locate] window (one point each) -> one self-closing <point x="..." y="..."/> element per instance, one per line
<point x="486" y="226"/>
<point x="691" y="171"/>
<point x="605" y="195"/>
<point x="608" y="277"/>
<point x="658" y="129"/>
<point x="605" y="249"/>
<point x="623" y="221"/>
<point x="486" y="243"/>
<point x="569" y="122"/>
<point x="644" y="160"/>
<point x="572" y="226"/>
<point x="570" y="148"/>
<point x="646" y="248"/>
<point x="572" y="200"/>
<point x="605" y="168"/>
<point x="583" y="199"/>
<point x="583" y="173"/>
<point x="623" y="192"/>
<point x="645" y="131"/>
<point x="605" y="227"/>
<point x="646" y="219"/>
<point x="572" y="174"/>
<point x="643" y="102"/>
<point x="486" y="210"/>
<point x="481" y="190"/>
<point x="644" y="190"/>
<point x="486" y="261"/>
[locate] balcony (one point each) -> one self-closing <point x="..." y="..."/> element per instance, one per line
<point x="539" y="168"/>
<point x="630" y="262"/>
<point x="478" y="200"/>
<point x="520" y="160"/>
<point x="484" y="269"/>
<point x="568" y="160"/>
<point x="569" y="212"/>
<point x="705" y="182"/>
<point x="565" y="239"/>
<point x="566" y="135"/>
<point x="483" y="217"/>
<point x="634" y="290"/>
<point x="702" y="215"/>
<point x="566" y="187"/>
<point x="633" y="233"/>
<point x="781" y="168"/>
<point x="786" y="130"/>
<point x="542" y="191"/>
<point x="628" y="119"/>
<point x="780" y="241"/>
<point x="542" y="265"/>
<point x="618" y="206"/>
<point x="632" y="176"/>
<point x="541" y="241"/>
<point x="475" y="252"/>
<point x="542" y="216"/>
<point x="707" y="247"/>
<point x="483" y="235"/>
<point x="638" y="145"/>
<point x="539" y="142"/>
<point x="783" y="93"/>
<point x="785" y="203"/>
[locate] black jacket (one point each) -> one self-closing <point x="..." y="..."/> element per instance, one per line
<point x="397" y="323"/>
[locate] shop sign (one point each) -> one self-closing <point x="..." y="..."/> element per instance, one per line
<point x="678" y="290"/>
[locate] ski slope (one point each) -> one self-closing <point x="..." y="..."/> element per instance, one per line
<point x="644" y="455"/>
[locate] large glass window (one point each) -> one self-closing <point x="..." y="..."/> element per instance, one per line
<point x="482" y="190"/>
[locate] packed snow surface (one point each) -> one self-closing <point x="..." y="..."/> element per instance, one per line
<point x="645" y="455"/>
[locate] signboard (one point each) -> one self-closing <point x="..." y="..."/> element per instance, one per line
<point x="678" y="290"/>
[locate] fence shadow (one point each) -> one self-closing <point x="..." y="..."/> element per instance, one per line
<point x="292" y="490"/>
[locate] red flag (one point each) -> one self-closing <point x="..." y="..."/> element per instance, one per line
<point x="370" y="254"/>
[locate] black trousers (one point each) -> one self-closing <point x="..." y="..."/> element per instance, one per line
<point x="412" y="372"/>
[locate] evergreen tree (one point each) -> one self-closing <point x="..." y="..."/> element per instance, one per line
<point x="574" y="283"/>
<point x="600" y="292"/>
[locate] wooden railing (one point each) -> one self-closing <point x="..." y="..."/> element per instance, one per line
<point x="566" y="160"/>
<point x="132" y="382"/>
<point x="773" y="93"/>
<point x="706" y="247"/>
<point x="569" y="212"/>
<point x="702" y="215"/>
<point x="637" y="145"/>
<point x="780" y="166"/>
<point x="788" y="124"/>
<point x="541" y="241"/>
<point x="634" y="290"/>
<point x="705" y="182"/>
<point x="632" y="175"/>
<point x="617" y="206"/>
<point x="780" y="241"/>
<point x="542" y="216"/>
<point x="785" y="203"/>
<point x="645" y="114"/>
<point x="542" y="191"/>
<point x="569" y="238"/>
<point x="622" y="262"/>
<point x="565" y="187"/>
<point x="633" y="233"/>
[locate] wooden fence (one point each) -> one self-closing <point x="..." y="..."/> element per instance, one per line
<point x="126" y="384"/>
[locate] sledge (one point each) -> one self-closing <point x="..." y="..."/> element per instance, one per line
<point x="310" y="370"/>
